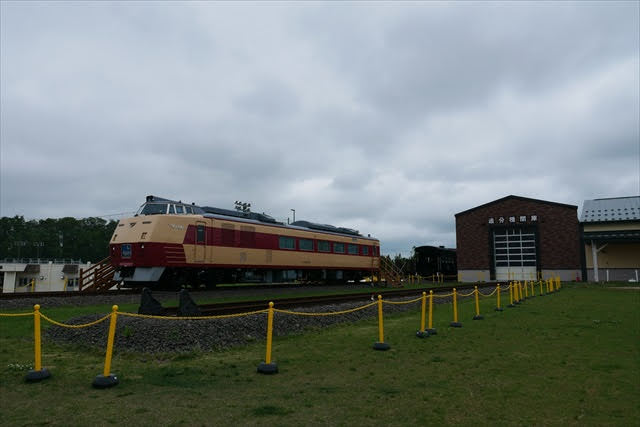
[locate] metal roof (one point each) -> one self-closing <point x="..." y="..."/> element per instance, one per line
<point x="525" y="199"/>
<point x="611" y="210"/>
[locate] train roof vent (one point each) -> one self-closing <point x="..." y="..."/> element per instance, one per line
<point x="262" y="217"/>
<point x="326" y="227"/>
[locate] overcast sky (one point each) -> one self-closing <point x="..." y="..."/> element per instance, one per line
<point x="384" y="117"/>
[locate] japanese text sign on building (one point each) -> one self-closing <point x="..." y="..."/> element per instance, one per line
<point x="513" y="219"/>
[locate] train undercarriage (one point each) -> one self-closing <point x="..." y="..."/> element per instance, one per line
<point x="176" y="278"/>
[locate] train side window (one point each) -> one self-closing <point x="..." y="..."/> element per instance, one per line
<point x="338" y="248"/>
<point x="353" y="249"/>
<point x="324" y="246"/>
<point x="228" y="234"/>
<point x="305" y="244"/>
<point x="180" y="210"/>
<point x="287" y="243"/>
<point x="365" y="250"/>
<point x="200" y="233"/>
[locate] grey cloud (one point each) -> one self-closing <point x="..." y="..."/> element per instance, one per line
<point x="385" y="117"/>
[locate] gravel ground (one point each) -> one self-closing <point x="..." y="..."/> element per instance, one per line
<point x="170" y="336"/>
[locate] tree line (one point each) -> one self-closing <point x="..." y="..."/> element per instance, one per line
<point x="85" y="239"/>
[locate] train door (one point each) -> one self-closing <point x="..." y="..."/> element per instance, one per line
<point x="200" y="247"/>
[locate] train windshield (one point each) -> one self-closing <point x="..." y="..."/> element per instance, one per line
<point x="152" y="209"/>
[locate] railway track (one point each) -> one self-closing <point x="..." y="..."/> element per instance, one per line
<point x="256" y="305"/>
<point x="134" y="291"/>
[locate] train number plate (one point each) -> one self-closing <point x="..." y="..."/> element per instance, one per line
<point x="126" y="251"/>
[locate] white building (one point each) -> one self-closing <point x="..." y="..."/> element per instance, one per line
<point x="38" y="275"/>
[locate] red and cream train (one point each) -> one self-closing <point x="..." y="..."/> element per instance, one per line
<point x="170" y="244"/>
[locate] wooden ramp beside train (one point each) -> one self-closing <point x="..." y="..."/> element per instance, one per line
<point x="390" y="273"/>
<point x="98" y="277"/>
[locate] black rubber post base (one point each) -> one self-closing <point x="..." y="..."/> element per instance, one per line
<point x="105" y="382"/>
<point x="511" y="305"/>
<point x="382" y="346"/>
<point x="432" y="331"/>
<point x="268" y="368"/>
<point x="455" y="324"/>
<point x="422" y="334"/>
<point x="478" y="317"/>
<point x="498" y="309"/>
<point x="35" y="376"/>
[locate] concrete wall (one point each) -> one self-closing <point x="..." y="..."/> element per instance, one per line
<point x="614" y="274"/>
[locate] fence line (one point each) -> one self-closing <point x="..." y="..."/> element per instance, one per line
<point x="517" y="293"/>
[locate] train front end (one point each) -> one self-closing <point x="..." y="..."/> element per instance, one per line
<point x="143" y="246"/>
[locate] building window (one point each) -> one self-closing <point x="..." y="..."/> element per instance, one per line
<point x="338" y="248"/>
<point x="514" y="248"/>
<point x="353" y="249"/>
<point x="305" y="244"/>
<point x="287" y="243"/>
<point x="324" y="246"/>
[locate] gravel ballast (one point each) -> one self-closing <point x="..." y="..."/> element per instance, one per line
<point x="146" y="335"/>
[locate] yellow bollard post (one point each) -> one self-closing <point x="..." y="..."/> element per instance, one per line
<point x="511" y="304"/>
<point x="541" y="292"/>
<point x="455" y="322"/>
<point x="431" y="329"/>
<point x="551" y="284"/>
<point x="107" y="379"/>
<point x="558" y="282"/>
<point x="38" y="373"/>
<point x="269" y="367"/>
<point x="498" y="306"/>
<point x="520" y="296"/>
<point x="380" y="345"/>
<point x="33" y="285"/>
<point x="532" y="289"/>
<point x="422" y="333"/>
<point x="526" y="290"/>
<point x="477" y="295"/>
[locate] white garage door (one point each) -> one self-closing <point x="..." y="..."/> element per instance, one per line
<point x="514" y="254"/>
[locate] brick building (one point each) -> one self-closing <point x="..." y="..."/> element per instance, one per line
<point x="519" y="238"/>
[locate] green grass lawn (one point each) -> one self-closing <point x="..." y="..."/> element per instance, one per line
<point x="570" y="358"/>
